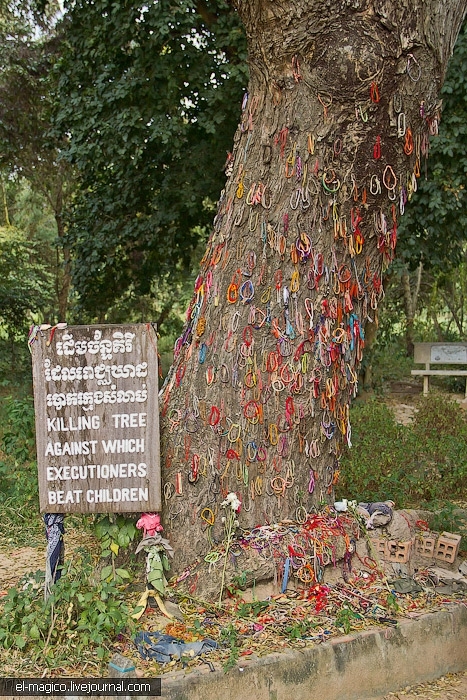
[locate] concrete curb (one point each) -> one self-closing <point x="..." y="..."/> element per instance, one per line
<point x="355" y="667"/>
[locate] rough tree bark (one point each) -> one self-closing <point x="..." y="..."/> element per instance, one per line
<point x="342" y="100"/>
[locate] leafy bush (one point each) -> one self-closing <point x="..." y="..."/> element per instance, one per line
<point x="446" y="517"/>
<point x="389" y="363"/>
<point x="440" y="437"/>
<point x="372" y="469"/>
<point x="18" y="433"/>
<point x="18" y="473"/>
<point x="81" y="614"/>
<point x="115" y="534"/>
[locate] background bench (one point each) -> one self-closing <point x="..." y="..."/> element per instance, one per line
<point x="440" y="354"/>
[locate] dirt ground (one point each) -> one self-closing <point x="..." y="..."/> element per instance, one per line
<point x="15" y="564"/>
<point x="448" y="687"/>
<point x="404" y="396"/>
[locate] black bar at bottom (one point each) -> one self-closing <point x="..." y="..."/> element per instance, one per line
<point x="43" y="687"/>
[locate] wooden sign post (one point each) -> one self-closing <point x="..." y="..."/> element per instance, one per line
<point x="97" y="419"/>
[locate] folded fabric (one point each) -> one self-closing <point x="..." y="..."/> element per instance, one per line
<point x="163" y="647"/>
<point x="155" y="541"/>
<point x="405" y="585"/>
<point x="376" y="514"/>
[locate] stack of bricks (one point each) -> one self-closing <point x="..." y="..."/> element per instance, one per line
<point x="443" y="548"/>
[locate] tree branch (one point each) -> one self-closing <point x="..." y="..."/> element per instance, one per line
<point x="416" y="290"/>
<point x="447" y="300"/>
<point x="210" y="18"/>
<point x="408" y="302"/>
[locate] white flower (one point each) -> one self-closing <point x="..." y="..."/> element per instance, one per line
<point x="235" y="505"/>
<point x="233" y="501"/>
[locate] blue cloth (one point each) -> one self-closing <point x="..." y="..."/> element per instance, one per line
<point x="380" y="514"/>
<point x="285" y="579"/>
<point x="381" y="507"/>
<point x="54" y="531"/>
<point x="163" y="647"/>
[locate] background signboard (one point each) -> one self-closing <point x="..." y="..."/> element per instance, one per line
<point x="449" y="354"/>
<point x="97" y="419"/>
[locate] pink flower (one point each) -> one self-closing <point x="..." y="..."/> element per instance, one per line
<point x="150" y="523"/>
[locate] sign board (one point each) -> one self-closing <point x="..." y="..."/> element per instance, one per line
<point x="440" y="353"/>
<point x="449" y="354"/>
<point x="97" y="419"/>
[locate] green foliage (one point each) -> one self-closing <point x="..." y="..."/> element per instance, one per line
<point x="114" y="533"/>
<point x="29" y="212"/>
<point x="15" y="364"/>
<point x="345" y="617"/>
<point x="237" y="584"/>
<point x="426" y="460"/>
<point x="18" y="470"/>
<point x="18" y="474"/>
<point x="372" y="469"/>
<point x="251" y="609"/>
<point x="20" y="524"/>
<point x="298" y="629"/>
<point x="229" y="637"/>
<point x="388" y="358"/>
<point x="25" y="283"/>
<point x="446" y="517"/>
<point x="30" y="160"/>
<point x="438" y="415"/>
<point x="30" y="276"/>
<point x="440" y="439"/>
<point x="18" y="440"/>
<point x="150" y="94"/>
<point x="433" y="228"/>
<point x="81" y="615"/>
<point x="158" y="564"/>
<point x="391" y="602"/>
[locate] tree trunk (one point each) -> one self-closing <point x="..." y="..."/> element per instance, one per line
<point x="341" y="102"/>
<point x="411" y="293"/>
<point x="56" y="186"/>
<point x="63" y="273"/>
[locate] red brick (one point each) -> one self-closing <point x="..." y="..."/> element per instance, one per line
<point x="398" y="551"/>
<point x="425" y="545"/>
<point x="447" y="547"/>
<point x="380" y="546"/>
